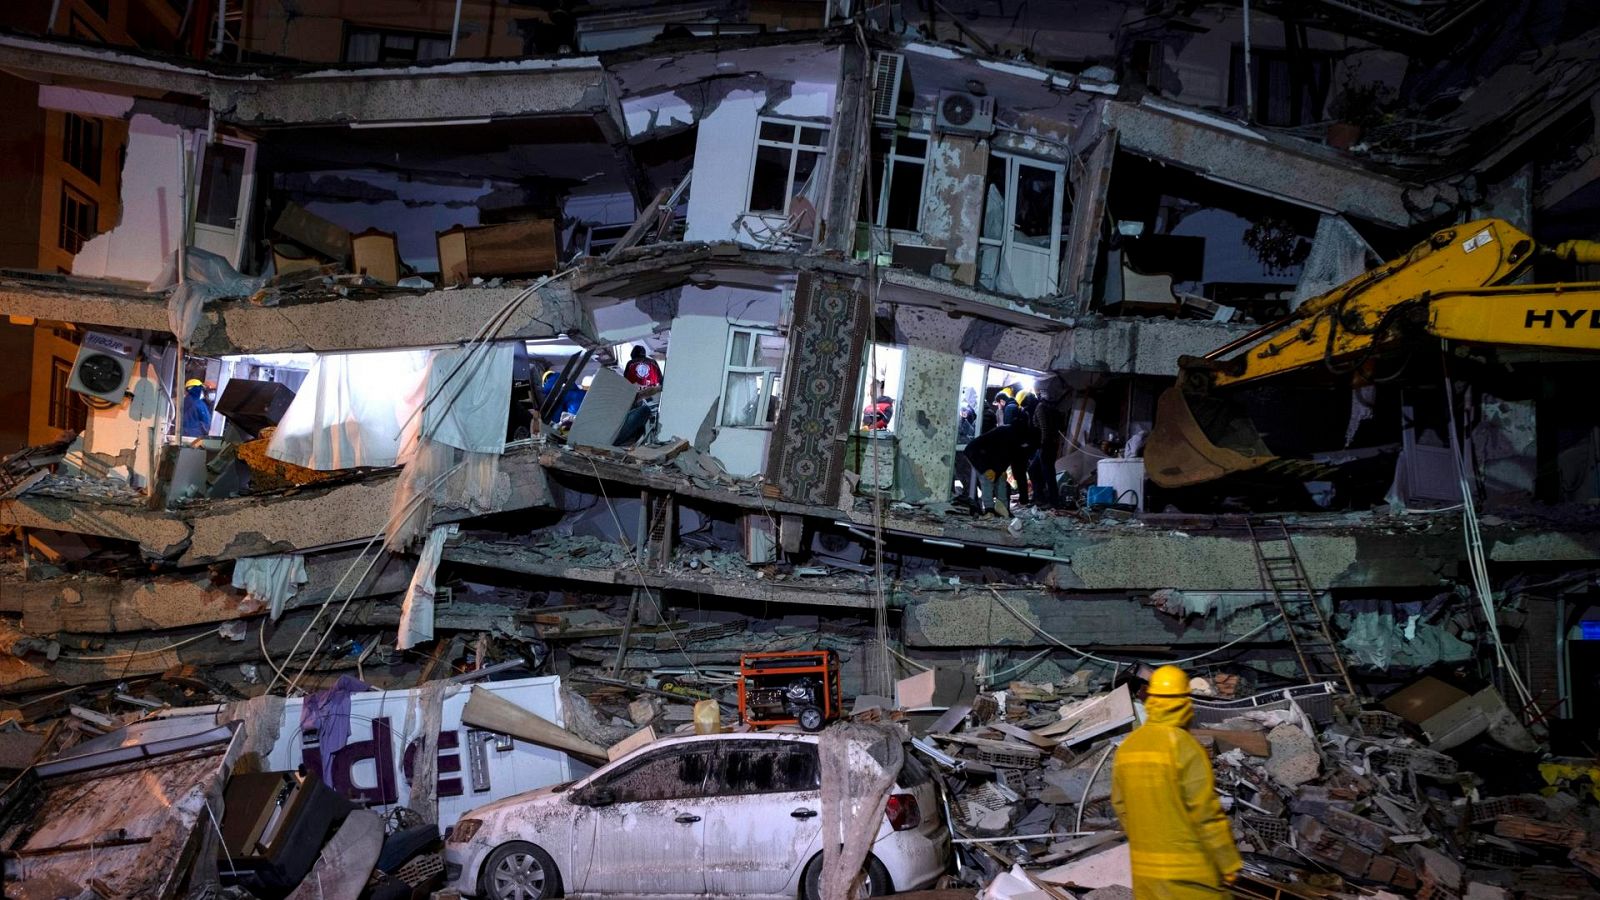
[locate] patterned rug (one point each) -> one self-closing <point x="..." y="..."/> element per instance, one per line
<point x="826" y="335"/>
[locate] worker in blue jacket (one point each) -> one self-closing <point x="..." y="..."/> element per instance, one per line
<point x="196" y="411"/>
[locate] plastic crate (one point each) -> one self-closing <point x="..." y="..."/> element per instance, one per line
<point x="1271" y="831"/>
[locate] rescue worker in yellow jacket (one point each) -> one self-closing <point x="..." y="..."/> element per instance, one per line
<point x="1179" y="842"/>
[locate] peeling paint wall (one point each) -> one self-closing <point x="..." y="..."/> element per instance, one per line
<point x="952" y="209"/>
<point x="724" y="154"/>
<point x="152" y="213"/>
<point x="927" y="424"/>
<point x="697" y="353"/>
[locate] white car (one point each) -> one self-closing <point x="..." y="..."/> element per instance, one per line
<point x="733" y="815"/>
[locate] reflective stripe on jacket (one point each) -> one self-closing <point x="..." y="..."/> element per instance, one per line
<point x="1163" y="792"/>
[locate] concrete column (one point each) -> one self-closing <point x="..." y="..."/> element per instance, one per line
<point x="847" y="157"/>
<point x="925" y="424"/>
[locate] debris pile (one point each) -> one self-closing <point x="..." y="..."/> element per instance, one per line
<point x="1322" y="793"/>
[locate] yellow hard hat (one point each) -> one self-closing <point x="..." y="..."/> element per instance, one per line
<point x="1169" y="681"/>
<point x="1008" y="392"/>
<point x="1022" y="396"/>
<point x="193" y="383"/>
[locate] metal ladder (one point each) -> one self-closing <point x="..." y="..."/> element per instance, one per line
<point x="1285" y="579"/>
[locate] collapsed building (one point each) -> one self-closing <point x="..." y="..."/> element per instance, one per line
<point x="397" y="253"/>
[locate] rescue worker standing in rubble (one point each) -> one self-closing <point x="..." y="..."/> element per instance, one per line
<point x="1179" y="842"/>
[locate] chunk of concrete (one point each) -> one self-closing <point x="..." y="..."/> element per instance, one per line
<point x="604" y="407"/>
<point x="1294" y="759"/>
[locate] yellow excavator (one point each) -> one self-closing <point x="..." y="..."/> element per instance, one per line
<point x="1455" y="286"/>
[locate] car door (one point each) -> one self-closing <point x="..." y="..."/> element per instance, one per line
<point x="642" y="826"/>
<point x="763" y="817"/>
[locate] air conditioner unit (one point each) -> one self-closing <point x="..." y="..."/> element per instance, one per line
<point x="887" y="69"/>
<point x="105" y="364"/>
<point x="959" y="112"/>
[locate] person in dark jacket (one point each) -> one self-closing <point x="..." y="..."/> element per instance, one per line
<point x="1022" y="420"/>
<point x="1042" y="467"/>
<point x="1005" y="406"/>
<point x="991" y="453"/>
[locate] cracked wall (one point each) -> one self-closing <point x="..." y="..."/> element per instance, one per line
<point x="952" y="205"/>
<point x="925" y="428"/>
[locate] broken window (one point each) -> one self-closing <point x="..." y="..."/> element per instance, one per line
<point x="67" y="410"/>
<point x="752" y="378"/>
<point x="1019" y="246"/>
<point x="81" y="141"/>
<point x="220" y="183"/>
<point x="883" y="369"/>
<point x="1289" y="88"/>
<point x="224" y="196"/>
<point x="672" y="775"/>
<point x="766" y="767"/>
<point x="382" y="45"/>
<point x="899" y="167"/>
<point x="787" y="154"/>
<point x="79" y="217"/>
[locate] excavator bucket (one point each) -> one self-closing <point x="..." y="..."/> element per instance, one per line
<point x="1200" y="438"/>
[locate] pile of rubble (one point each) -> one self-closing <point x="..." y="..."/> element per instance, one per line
<point x="1324" y="795"/>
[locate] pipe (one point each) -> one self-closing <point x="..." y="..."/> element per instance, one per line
<point x="455" y="30"/>
<point x="222" y="28"/>
<point x="1563" y="677"/>
<point x="55" y="12"/>
<point x="1249" y="81"/>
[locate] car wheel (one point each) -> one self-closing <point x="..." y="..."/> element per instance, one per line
<point x="519" y="871"/>
<point x="874" y="880"/>
<point x="811" y="719"/>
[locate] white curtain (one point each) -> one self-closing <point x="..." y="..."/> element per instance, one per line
<point x="353" y="410"/>
<point x="455" y="459"/>
<point x="469" y="397"/>
<point x="416" y="610"/>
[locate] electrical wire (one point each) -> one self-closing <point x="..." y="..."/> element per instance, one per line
<point x="403" y="511"/>
<point x="643" y="580"/>
<point x="1477" y="562"/>
<point x="134" y="654"/>
<point x="472" y="356"/>
<point x="1111" y="662"/>
<point x="1084" y="800"/>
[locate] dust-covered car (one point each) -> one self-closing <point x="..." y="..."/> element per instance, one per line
<point x="724" y="814"/>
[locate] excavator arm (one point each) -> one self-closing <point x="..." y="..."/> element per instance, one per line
<point x="1451" y="286"/>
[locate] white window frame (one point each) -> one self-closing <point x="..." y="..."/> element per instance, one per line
<point x="885" y="183"/>
<point x="769" y="375"/>
<point x="793" y="147"/>
<point x="1002" y="245"/>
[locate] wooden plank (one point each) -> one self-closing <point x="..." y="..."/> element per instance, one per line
<point x="1024" y="735"/>
<point x="485" y="709"/>
<point x="1252" y="742"/>
<point x="647" y="217"/>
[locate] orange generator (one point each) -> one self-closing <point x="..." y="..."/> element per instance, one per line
<point x="800" y="687"/>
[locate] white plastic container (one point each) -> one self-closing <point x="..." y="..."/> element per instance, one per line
<point x="1126" y="477"/>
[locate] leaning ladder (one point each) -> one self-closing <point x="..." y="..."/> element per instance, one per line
<point x="1285" y="579"/>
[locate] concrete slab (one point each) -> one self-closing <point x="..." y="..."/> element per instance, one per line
<point x="604" y="407"/>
